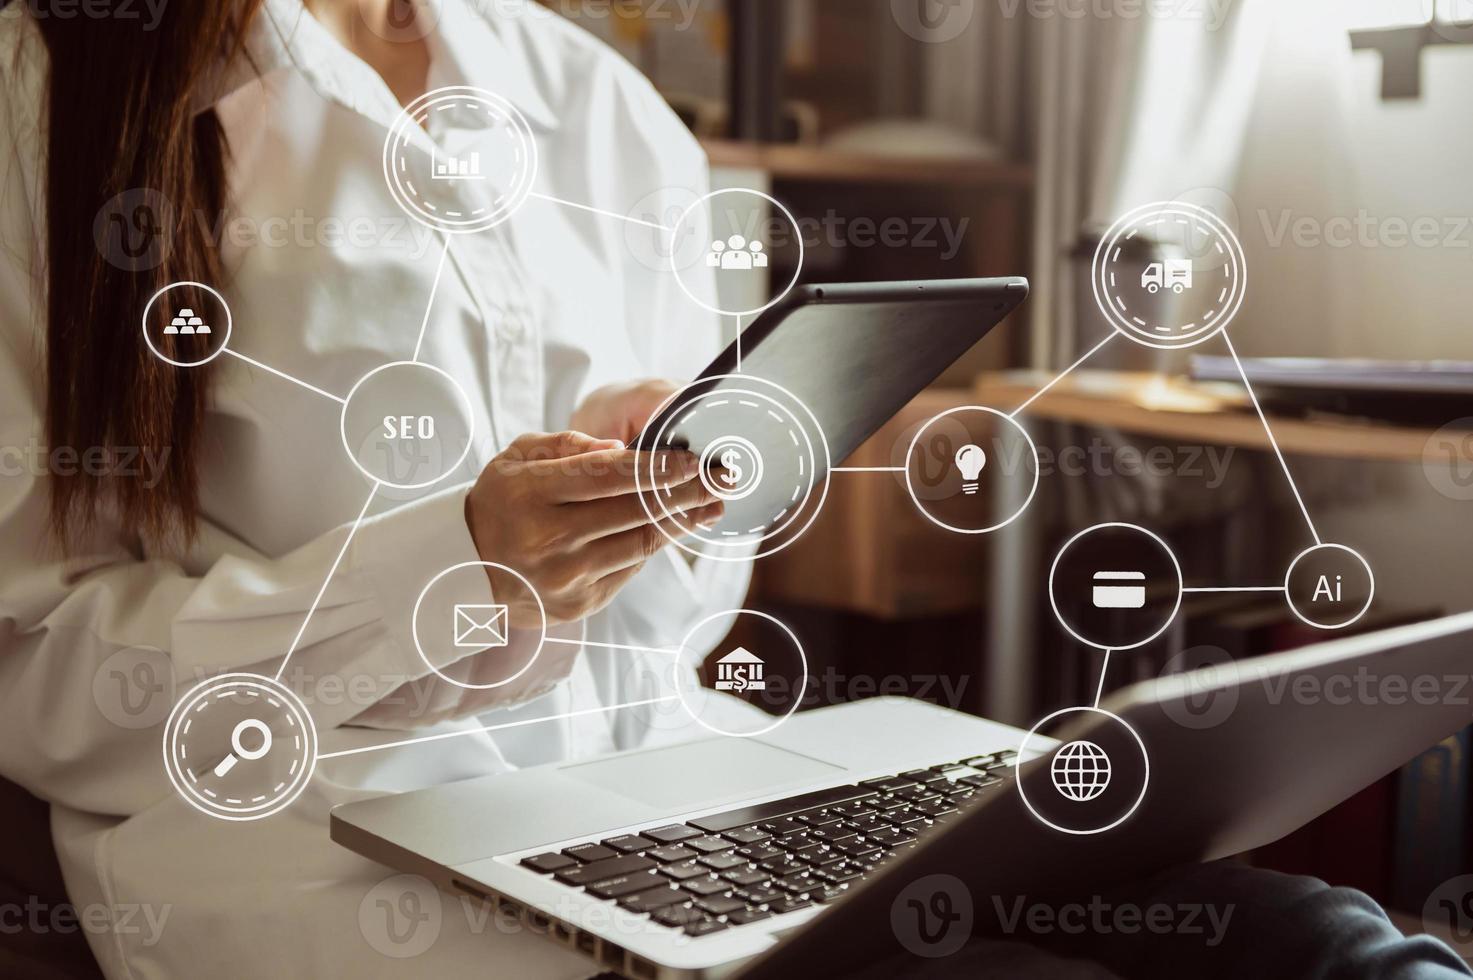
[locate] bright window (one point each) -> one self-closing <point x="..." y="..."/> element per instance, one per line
<point x="1371" y="14"/>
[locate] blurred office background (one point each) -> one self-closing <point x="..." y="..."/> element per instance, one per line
<point x="1330" y="134"/>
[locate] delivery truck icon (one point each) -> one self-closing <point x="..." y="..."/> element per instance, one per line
<point x="1172" y="274"/>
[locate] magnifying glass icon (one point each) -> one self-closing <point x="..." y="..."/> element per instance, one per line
<point x="240" y="752"/>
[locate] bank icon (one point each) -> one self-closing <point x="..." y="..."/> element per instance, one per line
<point x="739" y="671"/>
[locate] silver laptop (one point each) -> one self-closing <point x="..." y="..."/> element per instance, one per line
<point x="786" y="854"/>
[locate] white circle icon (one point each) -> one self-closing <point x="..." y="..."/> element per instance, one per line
<point x="189" y="320"/>
<point x="1330" y="586"/>
<point x="1106" y="583"/>
<point x="947" y="462"/>
<point x="458" y="619"/>
<point x="460" y="159"/>
<point x="1170" y="275"/>
<point x="1082" y="773"/>
<point x="724" y="239"/>
<point x="240" y="747"/>
<point x="781" y="451"/>
<point x="740" y="670"/>
<point x="407" y="425"/>
<point x="740" y="466"/>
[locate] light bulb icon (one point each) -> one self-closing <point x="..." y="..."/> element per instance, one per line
<point x="971" y="460"/>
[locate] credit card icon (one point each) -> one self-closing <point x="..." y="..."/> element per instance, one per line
<point x="1120" y="590"/>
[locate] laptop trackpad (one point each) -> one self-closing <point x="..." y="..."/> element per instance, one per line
<point x="697" y="774"/>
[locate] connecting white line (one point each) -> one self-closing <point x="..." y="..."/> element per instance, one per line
<point x="613" y="646"/>
<point x="1063" y="374"/>
<point x="1104" y="669"/>
<point x="497" y="728"/>
<point x="607" y="214"/>
<point x="867" y="469"/>
<point x="1241" y="588"/>
<point x="330" y="572"/>
<point x="430" y="306"/>
<point x="282" y="374"/>
<point x="1253" y="397"/>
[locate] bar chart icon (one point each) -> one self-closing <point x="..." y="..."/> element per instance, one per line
<point x="459" y="167"/>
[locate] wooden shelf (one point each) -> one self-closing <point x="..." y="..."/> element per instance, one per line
<point x="1171" y="408"/>
<point x="814" y="164"/>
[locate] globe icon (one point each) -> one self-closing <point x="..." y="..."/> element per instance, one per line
<point x="1081" y="771"/>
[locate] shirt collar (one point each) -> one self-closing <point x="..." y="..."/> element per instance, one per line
<point x="467" y="50"/>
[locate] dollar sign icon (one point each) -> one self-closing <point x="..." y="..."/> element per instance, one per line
<point x="731" y="462"/>
<point x="731" y="468"/>
<point x="739" y="681"/>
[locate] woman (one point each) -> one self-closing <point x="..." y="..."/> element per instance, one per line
<point x="231" y="117"/>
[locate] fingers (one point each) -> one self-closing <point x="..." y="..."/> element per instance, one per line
<point x="596" y="519"/>
<point x="628" y="549"/>
<point x="558" y="445"/>
<point x="597" y="598"/>
<point x="641" y="405"/>
<point x="610" y="473"/>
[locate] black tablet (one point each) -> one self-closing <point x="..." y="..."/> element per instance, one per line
<point x="809" y="381"/>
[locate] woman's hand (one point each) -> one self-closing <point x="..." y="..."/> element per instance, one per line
<point x="622" y="411"/>
<point x="564" y="512"/>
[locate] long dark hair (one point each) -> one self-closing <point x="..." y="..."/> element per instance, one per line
<point x="125" y="145"/>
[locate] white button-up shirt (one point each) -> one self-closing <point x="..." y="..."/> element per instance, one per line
<point x="327" y="280"/>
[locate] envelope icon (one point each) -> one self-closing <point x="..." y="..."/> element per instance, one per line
<point x="481" y="627"/>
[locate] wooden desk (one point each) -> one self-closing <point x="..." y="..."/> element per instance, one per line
<point x="1146" y="405"/>
<point x="1173" y="408"/>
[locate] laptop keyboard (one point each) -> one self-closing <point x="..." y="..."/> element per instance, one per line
<point x="748" y="864"/>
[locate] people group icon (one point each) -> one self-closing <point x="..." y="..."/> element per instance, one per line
<point x="187" y="323"/>
<point x="737" y="253"/>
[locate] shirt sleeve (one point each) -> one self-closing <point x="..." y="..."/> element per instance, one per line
<point x="96" y="642"/>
